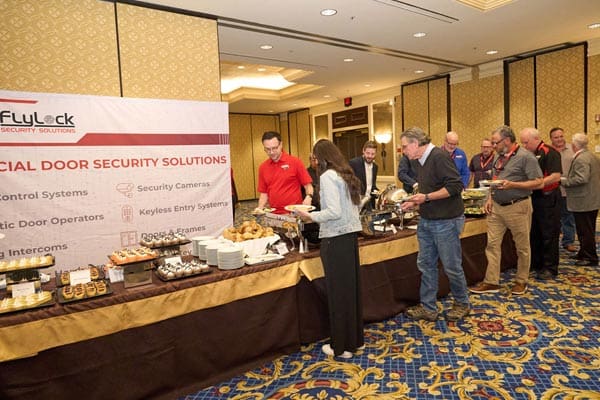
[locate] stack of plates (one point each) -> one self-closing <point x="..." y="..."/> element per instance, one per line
<point x="211" y="252"/>
<point x="203" y="244"/>
<point x="230" y="257"/>
<point x="196" y="240"/>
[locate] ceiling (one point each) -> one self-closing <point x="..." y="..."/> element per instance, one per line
<point x="309" y="49"/>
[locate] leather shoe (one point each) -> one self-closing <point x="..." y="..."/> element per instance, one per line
<point x="545" y="275"/>
<point x="586" y="263"/>
<point x="570" y="247"/>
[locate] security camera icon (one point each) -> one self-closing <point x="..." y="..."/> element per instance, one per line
<point x="125" y="189"/>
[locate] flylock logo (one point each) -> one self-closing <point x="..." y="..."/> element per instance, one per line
<point x="11" y="122"/>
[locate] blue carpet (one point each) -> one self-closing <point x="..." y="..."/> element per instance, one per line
<point x="542" y="345"/>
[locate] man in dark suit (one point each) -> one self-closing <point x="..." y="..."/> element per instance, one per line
<point x="365" y="170"/>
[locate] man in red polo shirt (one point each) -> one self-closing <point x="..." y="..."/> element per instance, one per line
<point x="281" y="177"/>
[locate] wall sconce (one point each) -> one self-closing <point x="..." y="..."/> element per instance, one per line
<point x="383" y="138"/>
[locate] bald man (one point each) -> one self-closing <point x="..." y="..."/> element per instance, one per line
<point x="545" y="221"/>
<point x="459" y="157"/>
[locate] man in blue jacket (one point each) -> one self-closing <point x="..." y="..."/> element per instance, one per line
<point x="459" y="157"/>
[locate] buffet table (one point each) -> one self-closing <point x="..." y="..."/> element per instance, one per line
<point x="172" y="338"/>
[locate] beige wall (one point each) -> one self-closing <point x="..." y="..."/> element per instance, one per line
<point x="71" y="46"/>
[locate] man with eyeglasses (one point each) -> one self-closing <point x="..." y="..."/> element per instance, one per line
<point x="545" y="223"/>
<point x="281" y="177"/>
<point x="459" y="157"/>
<point x="515" y="173"/>
<point x="481" y="163"/>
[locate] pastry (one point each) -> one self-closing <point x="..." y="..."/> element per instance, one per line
<point x="67" y="292"/>
<point x="65" y="278"/>
<point x="90" y="289"/>
<point x="94" y="273"/>
<point x="78" y="291"/>
<point x="100" y="287"/>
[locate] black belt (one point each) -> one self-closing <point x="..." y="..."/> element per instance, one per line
<point x="508" y="203"/>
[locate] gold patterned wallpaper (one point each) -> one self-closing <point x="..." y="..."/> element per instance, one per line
<point x="70" y="46"/>
<point x="521" y="93"/>
<point x="66" y="46"/>
<point x="415" y="105"/>
<point x="242" y="160"/>
<point x="593" y="128"/>
<point x="438" y="109"/>
<point x="560" y="90"/>
<point x="477" y="108"/>
<point x="168" y="55"/>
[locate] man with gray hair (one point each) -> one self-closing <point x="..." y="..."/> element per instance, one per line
<point x="582" y="185"/>
<point x="515" y="174"/>
<point x="544" y="237"/>
<point x="441" y="222"/>
<point x="458" y="156"/>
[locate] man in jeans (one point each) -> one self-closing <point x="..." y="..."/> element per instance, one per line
<point x="441" y="222"/>
<point x="515" y="174"/>
<point x="567" y="221"/>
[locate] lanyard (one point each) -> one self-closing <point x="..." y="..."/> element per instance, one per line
<point x="486" y="163"/>
<point x="503" y="160"/>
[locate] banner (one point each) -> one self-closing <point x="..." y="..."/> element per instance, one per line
<point x="83" y="176"/>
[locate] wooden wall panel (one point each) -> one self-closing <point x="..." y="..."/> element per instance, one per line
<point x="416" y="106"/>
<point x="560" y="90"/>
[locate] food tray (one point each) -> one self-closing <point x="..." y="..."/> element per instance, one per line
<point x="6" y="268"/>
<point x="58" y="273"/>
<point x="132" y="262"/>
<point x="181" y="243"/>
<point x="265" y="258"/>
<point x="165" y="279"/>
<point x="48" y="303"/>
<point x="469" y="215"/>
<point x="62" y="300"/>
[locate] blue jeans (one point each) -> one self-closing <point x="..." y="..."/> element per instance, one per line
<point x="440" y="238"/>
<point x="567" y="223"/>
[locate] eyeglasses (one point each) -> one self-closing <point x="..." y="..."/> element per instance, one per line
<point x="495" y="143"/>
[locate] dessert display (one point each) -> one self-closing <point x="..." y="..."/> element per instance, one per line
<point x="247" y="231"/>
<point x="473" y="200"/>
<point x="26" y="263"/>
<point x="163" y="240"/>
<point x="180" y="270"/>
<point x="127" y="256"/>
<point x="67" y="294"/>
<point x="63" y="278"/>
<point x="33" y="300"/>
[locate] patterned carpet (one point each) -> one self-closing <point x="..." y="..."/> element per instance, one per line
<point x="542" y="345"/>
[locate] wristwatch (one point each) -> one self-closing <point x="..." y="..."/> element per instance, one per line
<point x="427" y="198"/>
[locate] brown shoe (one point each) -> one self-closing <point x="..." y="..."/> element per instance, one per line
<point x="519" y="288"/>
<point x="570" y="247"/>
<point x="483" y="287"/>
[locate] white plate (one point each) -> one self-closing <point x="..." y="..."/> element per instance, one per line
<point x="265" y="258"/>
<point x="262" y="211"/>
<point x="413" y="227"/>
<point x="301" y="207"/>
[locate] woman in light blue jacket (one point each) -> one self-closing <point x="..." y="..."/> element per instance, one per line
<point x="339" y="223"/>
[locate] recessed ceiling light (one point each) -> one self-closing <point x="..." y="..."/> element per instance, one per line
<point x="419" y="71"/>
<point x="266" y="47"/>
<point x="271" y="111"/>
<point x="328" y="12"/>
<point x="594" y="25"/>
<point x="261" y="69"/>
<point x="367" y="85"/>
<point x="348" y="59"/>
<point x="241" y="67"/>
<point x="419" y="34"/>
<point x="490" y="52"/>
<point x="327" y="95"/>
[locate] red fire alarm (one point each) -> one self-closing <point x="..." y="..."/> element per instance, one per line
<point x="347" y="101"/>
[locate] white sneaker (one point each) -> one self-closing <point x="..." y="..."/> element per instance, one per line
<point x="326" y="348"/>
